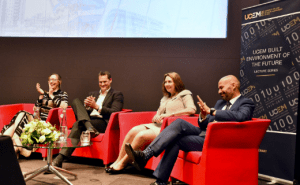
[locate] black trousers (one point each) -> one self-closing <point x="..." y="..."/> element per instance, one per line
<point x="83" y="122"/>
<point x="180" y="135"/>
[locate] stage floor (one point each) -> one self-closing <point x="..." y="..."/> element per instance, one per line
<point x="89" y="171"/>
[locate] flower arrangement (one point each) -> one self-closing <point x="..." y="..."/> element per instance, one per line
<point x="39" y="132"/>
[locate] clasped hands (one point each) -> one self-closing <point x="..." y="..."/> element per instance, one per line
<point x="90" y="102"/>
<point x="160" y="118"/>
<point x="204" y="109"/>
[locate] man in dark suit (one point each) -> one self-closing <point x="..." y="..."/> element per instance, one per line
<point x="181" y="135"/>
<point x="94" y="114"/>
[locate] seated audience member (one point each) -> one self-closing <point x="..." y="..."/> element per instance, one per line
<point x="94" y="114"/>
<point x="181" y="135"/>
<point x="176" y="101"/>
<point x="46" y="101"/>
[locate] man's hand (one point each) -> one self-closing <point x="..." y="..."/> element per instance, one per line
<point x="204" y="109"/>
<point x="90" y="102"/>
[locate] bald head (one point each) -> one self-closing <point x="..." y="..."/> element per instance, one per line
<point x="229" y="87"/>
<point x="232" y="79"/>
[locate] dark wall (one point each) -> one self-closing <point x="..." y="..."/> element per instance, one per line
<point x="137" y="65"/>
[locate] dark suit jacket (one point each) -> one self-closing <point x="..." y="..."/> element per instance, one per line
<point x="113" y="102"/>
<point x="241" y="110"/>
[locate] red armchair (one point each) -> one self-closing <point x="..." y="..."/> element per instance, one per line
<point x="129" y="120"/>
<point x="7" y="112"/>
<point x="229" y="155"/>
<point x="106" y="145"/>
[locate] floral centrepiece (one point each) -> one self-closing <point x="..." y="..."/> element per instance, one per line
<point x="39" y="132"/>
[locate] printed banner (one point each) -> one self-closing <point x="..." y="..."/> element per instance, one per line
<point x="269" y="71"/>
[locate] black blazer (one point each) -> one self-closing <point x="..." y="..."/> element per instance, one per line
<point x="113" y="102"/>
<point x="241" y="110"/>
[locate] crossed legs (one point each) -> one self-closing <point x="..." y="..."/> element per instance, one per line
<point x="15" y="138"/>
<point x="139" y="137"/>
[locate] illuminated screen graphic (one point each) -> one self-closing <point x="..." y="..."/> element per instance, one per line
<point x="114" y="18"/>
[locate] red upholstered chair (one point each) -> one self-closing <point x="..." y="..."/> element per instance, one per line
<point x="229" y="155"/>
<point x="129" y="120"/>
<point x="106" y="145"/>
<point x="7" y="112"/>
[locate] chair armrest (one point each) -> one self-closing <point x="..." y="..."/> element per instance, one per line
<point x="191" y="119"/>
<point x="53" y="117"/>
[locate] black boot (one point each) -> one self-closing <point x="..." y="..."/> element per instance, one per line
<point x="58" y="161"/>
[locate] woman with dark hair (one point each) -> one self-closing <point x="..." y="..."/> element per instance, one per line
<point x="47" y="100"/>
<point x="176" y="102"/>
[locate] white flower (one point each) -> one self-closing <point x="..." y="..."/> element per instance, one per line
<point x="45" y="124"/>
<point x="42" y="139"/>
<point x="31" y="129"/>
<point x="27" y="126"/>
<point x="56" y="135"/>
<point x="34" y="123"/>
<point x="24" y="137"/>
<point x="46" y="131"/>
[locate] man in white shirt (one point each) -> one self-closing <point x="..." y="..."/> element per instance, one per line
<point x="94" y="114"/>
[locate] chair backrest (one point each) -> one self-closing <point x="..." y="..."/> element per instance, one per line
<point x="126" y="110"/>
<point x="71" y="119"/>
<point x="128" y="120"/>
<point x="232" y="148"/>
<point x="7" y="112"/>
<point x="248" y="134"/>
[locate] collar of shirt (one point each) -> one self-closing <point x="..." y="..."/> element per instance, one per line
<point x="56" y="92"/>
<point x="232" y="101"/>
<point x="105" y="91"/>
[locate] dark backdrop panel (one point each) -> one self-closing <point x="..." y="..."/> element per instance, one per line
<point x="137" y="65"/>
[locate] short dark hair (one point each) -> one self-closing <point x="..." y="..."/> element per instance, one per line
<point x="179" y="86"/>
<point x="101" y="73"/>
<point x="58" y="77"/>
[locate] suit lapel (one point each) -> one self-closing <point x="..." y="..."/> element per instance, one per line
<point x="97" y="94"/>
<point x="221" y="105"/>
<point x="109" y="94"/>
<point x="236" y="104"/>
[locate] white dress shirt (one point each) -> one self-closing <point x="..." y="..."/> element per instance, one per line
<point x="99" y="102"/>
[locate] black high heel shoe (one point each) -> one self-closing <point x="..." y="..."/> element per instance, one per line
<point x="113" y="171"/>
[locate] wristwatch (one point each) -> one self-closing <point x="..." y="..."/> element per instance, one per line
<point x="212" y="110"/>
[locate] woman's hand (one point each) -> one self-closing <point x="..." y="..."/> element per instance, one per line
<point x="39" y="90"/>
<point x="51" y="90"/>
<point x="155" y="119"/>
<point x="160" y="118"/>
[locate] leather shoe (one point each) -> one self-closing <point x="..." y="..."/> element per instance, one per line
<point x="57" y="164"/>
<point x="138" y="157"/>
<point x="93" y="132"/>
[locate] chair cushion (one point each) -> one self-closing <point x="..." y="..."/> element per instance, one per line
<point x="193" y="157"/>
